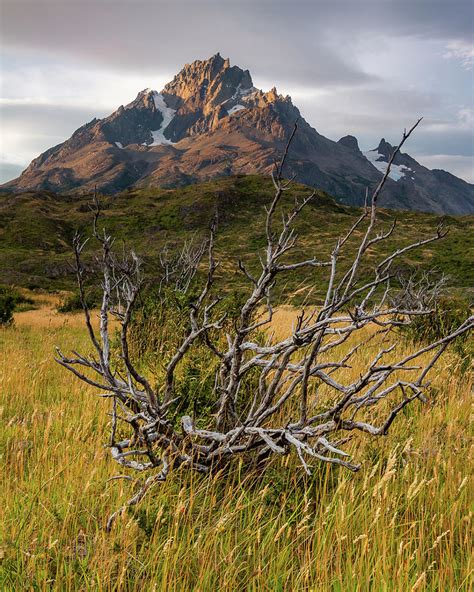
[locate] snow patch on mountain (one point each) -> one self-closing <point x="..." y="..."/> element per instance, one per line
<point x="245" y="92"/>
<point x="396" y="171"/>
<point x="168" y="115"/>
<point x="235" y="108"/>
<point x="241" y="93"/>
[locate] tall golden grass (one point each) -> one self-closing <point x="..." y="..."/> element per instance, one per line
<point x="403" y="523"/>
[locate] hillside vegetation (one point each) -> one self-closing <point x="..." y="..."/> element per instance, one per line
<point x="36" y="230"/>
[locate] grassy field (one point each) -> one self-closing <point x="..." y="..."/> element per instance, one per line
<point x="403" y="523"/>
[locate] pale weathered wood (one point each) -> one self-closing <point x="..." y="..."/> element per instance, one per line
<point x="287" y="368"/>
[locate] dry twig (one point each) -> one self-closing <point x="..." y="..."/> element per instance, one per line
<point x="292" y="369"/>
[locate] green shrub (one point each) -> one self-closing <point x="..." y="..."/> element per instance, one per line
<point x="17" y="296"/>
<point x="10" y="300"/>
<point x="158" y="328"/>
<point x="449" y="314"/>
<point x="72" y="302"/>
<point x="7" y="306"/>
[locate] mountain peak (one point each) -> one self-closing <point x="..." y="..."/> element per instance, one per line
<point x="209" y="121"/>
<point x="385" y="148"/>
<point x="210" y="81"/>
<point x="212" y="65"/>
<point x="350" y="142"/>
<point x="204" y="96"/>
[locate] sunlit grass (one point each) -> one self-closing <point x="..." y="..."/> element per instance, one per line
<point x="402" y="523"/>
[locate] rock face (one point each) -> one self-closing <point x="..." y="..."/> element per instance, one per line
<point x="349" y="142"/>
<point x="210" y="121"/>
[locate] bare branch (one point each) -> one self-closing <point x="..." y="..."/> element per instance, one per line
<point x="269" y="396"/>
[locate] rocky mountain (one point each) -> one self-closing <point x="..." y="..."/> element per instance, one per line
<point x="211" y="121"/>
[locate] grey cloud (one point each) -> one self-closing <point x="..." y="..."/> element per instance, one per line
<point x="59" y="120"/>
<point x="310" y="42"/>
<point x="449" y="141"/>
<point x="314" y="46"/>
<point x="284" y="40"/>
<point x="29" y="130"/>
<point x="9" y="171"/>
<point x="461" y="166"/>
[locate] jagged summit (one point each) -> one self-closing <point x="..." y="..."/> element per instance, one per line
<point x="209" y="121"/>
<point x="198" y="100"/>
<point x="350" y="142"/>
<point x="208" y="83"/>
<point x="385" y="148"/>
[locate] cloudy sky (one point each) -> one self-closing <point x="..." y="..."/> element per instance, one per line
<point x="362" y="67"/>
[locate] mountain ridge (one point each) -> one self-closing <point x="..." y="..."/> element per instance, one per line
<point x="211" y="121"/>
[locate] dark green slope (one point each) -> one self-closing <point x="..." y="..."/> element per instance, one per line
<point x="36" y="230"/>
